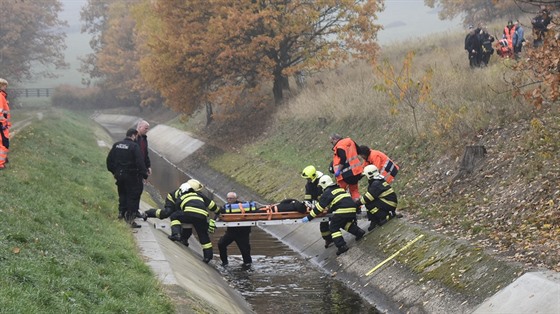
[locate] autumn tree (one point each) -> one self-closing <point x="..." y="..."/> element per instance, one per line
<point x="32" y="42"/>
<point x="219" y="51"/>
<point x="476" y="11"/>
<point x="115" y="61"/>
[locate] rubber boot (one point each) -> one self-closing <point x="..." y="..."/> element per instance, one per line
<point x="360" y="234"/>
<point x="175" y="233"/>
<point x="208" y="254"/>
<point x="342" y="249"/>
<point x="129" y="218"/>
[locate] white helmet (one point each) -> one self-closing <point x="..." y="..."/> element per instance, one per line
<point x="195" y="185"/>
<point x="325" y="181"/>
<point x="370" y="171"/>
<point x="185" y="187"/>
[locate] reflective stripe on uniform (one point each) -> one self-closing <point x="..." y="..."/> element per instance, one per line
<point x="337" y="234"/>
<point x="348" y="210"/>
<point x="197" y="210"/>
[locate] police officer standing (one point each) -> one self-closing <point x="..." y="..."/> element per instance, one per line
<point x="126" y="164"/>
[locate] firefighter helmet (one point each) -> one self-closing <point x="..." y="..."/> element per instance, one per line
<point x="185" y="187"/>
<point x="370" y="171"/>
<point x="325" y="181"/>
<point x="195" y="185"/>
<point x="309" y="172"/>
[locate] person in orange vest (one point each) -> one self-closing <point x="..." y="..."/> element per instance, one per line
<point x="387" y="168"/>
<point x="5" y="124"/>
<point x="347" y="166"/>
<point x="509" y="30"/>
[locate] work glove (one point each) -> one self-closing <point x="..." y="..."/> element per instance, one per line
<point x="337" y="173"/>
<point x="211" y="225"/>
<point x="305" y="219"/>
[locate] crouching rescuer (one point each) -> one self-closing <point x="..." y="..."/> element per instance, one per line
<point x="380" y="199"/>
<point x="172" y="204"/>
<point x="194" y="209"/>
<point x="338" y="202"/>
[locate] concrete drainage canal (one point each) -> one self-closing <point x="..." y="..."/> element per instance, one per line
<point x="279" y="279"/>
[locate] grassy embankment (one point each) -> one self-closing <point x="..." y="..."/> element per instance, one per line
<point x="504" y="205"/>
<point x="61" y="248"/>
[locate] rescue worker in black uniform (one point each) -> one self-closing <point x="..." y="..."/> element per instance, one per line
<point x="312" y="193"/>
<point x="193" y="209"/>
<point x="125" y="162"/>
<point x="238" y="234"/>
<point x="340" y="204"/>
<point x="380" y="199"/>
<point x="172" y="204"/>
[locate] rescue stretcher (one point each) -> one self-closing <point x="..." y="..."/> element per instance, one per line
<point x="267" y="215"/>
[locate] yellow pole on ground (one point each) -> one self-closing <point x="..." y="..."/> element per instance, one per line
<point x="396" y="253"/>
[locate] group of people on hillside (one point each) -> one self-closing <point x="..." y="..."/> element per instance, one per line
<point x="479" y="43"/>
<point x="130" y="165"/>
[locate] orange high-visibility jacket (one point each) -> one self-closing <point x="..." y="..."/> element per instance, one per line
<point x="350" y="163"/>
<point x="4" y="109"/>
<point x="387" y="168"/>
<point x="508" y="33"/>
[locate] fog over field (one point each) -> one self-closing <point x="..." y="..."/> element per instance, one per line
<point x="402" y="19"/>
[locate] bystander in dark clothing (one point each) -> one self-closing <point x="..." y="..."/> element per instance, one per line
<point x="486" y="41"/>
<point x="239" y="235"/>
<point x="142" y="139"/>
<point x="540" y="27"/>
<point x="473" y="46"/>
<point x="125" y="162"/>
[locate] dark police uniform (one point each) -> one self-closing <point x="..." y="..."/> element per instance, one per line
<point x="128" y="168"/>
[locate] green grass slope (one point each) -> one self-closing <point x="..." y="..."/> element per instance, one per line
<point x="61" y="248"/>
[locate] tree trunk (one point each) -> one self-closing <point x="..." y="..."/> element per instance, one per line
<point x="209" y="114"/>
<point x="277" y="89"/>
<point x="471" y="157"/>
<point x="285" y="83"/>
<point x="300" y="79"/>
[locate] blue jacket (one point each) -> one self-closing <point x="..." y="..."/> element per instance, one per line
<point x="518" y="36"/>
